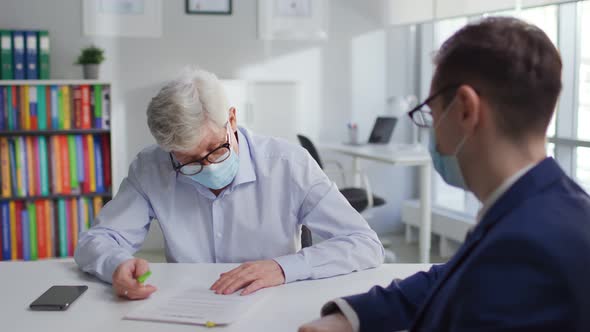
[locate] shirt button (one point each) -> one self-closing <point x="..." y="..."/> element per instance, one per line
<point x="218" y="234"/>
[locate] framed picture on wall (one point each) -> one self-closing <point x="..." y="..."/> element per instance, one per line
<point x="211" y="7"/>
<point x="293" y="19"/>
<point x="122" y="18"/>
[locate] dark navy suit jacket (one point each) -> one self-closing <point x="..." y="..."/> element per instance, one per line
<point x="525" y="267"/>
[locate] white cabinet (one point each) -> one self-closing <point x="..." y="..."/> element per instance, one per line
<point x="268" y="108"/>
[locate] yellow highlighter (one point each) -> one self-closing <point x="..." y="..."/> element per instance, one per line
<point x="210" y="324"/>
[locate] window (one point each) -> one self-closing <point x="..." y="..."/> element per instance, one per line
<point x="445" y="195"/>
<point x="582" y="170"/>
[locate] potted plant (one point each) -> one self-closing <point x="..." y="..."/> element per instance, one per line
<point x="90" y="59"/>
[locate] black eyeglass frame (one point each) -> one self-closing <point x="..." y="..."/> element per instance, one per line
<point x="178" y="167"/>
<point x="418" y="109"/>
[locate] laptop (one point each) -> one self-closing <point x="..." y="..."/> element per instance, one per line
<point x="382" y="131"/>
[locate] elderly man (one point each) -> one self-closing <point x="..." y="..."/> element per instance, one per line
<point x="222" y="194"/>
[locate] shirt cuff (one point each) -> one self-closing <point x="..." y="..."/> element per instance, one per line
<point x="111" y="264"/>
<point x="341" y="306"/>
<point x="294" y="267"/>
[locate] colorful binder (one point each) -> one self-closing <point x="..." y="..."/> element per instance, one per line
<point x="6" y="245"/>
<point x="55" y="118"/>
<point x="98" y="106"/>
<point x="6" y="70"/>
<point x="33" y="115"/>
<point x="86" y="114"/>
<point x="31" y="72"/>
<point x="42" y="107"/>
<point x="91" y="163"/>
<point x="18" y="55"/>
<point x="43" y="165"/>
<point x="13" y="242"/>
<point x="5" y="167"/>
<point x="74" y="184"/>
<point x="19" y="229"/>
<point x="99" y="166"/>
<point x="43" y="49"/>
<point x="11" y="109"/>
<point x="62" y="228"/>
<point x="25" y="233"/>
<point x="32" y="213"/>
<point x="41" y="229"/>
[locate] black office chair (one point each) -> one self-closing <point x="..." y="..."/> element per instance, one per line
<point x="357" y="197"/>
<point x="305" y="237"/>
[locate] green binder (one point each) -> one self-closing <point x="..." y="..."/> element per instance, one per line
<point x="41" y="107"/>
<point x="43" y="164"/>
<point x="33" y="230"/>
<point x="62" y="228"/>
<point x="97" y="106"/>
<point x="6" y="55"/>
<point x="74" y="184"/>
<point x="60" y="108"/>
<point x="43" y="47"/>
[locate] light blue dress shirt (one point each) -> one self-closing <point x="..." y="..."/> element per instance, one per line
<point x="278" y="188"/>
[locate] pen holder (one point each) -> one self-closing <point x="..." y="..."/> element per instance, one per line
<point x="352" y="135"/>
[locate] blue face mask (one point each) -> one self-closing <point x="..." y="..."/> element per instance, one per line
<point x="217" y="176"/>
<point x="447" y="166"/>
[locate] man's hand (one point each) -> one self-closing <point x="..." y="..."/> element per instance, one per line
<point x="251" y="275"/>
<point x="124" y="283"/>
<point x="330" y="323"/>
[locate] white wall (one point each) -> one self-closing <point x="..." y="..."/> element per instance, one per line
<point x="343" y="78"/>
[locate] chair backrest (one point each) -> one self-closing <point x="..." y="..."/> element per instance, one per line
<point x="307" y="144"/>
<point x="305" y="237"/>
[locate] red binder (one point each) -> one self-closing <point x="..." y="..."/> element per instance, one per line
<point x="41" y="229"/>
<point x="65" y="164"/>
<point x="106" y="161"/>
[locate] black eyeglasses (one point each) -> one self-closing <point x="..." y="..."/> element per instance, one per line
<point x="219" y="155"/>
<point x="421" y="115"/>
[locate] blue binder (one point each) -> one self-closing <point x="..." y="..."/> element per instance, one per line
<point x="18" y="54"/>
<point x="32" y="57"/>
<point x="5" y="216"/>
<point x="25" y="233"/>
<point x="99" y="167"/>
<point x="12" y="154"/>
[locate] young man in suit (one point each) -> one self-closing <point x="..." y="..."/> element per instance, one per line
<point x="526" y="264"/>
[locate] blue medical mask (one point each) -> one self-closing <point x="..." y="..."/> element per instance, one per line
<point x="217" y="176"/>
<point x="447" y="166"/>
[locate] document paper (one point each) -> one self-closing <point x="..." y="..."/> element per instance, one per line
<point x="196" y="306"/>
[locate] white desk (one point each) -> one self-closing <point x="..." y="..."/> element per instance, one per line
<point x="404" y="155"/>
<point x="286" y="308"/>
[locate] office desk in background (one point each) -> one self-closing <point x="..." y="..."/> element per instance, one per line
<point x="401" y="155"/>
<point x="98" y="309"/>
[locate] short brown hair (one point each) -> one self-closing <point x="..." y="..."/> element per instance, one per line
<point x="512" y="64"/>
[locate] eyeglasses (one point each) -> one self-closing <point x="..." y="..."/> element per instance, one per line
<point x="421" y="115"/>
<point x="218" y="155"/>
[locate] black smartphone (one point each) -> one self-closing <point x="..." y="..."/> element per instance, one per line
<point x="58" y="298"/>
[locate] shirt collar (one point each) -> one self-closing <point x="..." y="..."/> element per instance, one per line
<point x="246" y="172"/>
<point x="503" y="188"/>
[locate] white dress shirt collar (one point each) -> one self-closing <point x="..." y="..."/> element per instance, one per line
<point x="501" y="190"/>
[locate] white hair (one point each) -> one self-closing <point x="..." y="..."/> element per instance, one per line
<point x="184" y="106"/>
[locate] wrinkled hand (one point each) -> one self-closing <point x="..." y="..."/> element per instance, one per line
<point x="330" y="323"/>
<point x="124" y="283"/>
<point x="251" y="275"/>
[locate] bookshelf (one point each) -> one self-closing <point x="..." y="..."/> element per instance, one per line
<point x="55" y="164"/>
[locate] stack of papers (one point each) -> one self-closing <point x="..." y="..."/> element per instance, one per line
<point x="196" y="306"/>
